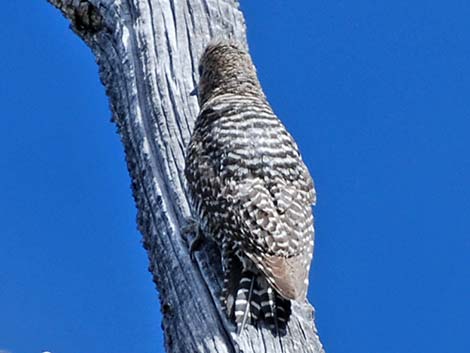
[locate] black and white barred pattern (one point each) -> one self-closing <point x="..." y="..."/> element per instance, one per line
<point x="251" y="190"/>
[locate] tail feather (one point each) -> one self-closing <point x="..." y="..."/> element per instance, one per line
<point x="284" y="310"/>
<point x="248" y="298"/>
<point x="275" y="310"/>
<point x="268" y="307"/>
<point x="244" y="302"/>
<point x="255" y="301"/>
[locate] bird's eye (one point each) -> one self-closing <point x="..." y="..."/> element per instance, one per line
<point x="200" y="70"/>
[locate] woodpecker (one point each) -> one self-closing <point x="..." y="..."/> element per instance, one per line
<point x="251" y="191"/>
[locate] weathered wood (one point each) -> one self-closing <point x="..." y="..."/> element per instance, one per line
<point x="147" y="52"/>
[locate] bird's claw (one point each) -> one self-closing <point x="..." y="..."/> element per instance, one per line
<point x="192" y="227"/>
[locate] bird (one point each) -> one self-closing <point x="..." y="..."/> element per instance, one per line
<point x="250" y="190"/>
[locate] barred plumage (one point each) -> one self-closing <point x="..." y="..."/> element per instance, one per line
<point x="251" y="190"/>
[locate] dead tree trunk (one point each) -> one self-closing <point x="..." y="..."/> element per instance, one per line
<point x="147" y="52"/>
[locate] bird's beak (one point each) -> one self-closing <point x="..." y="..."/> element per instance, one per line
<point x="194" y="92"/>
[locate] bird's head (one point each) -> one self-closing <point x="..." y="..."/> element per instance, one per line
<point x="226" y="67"/>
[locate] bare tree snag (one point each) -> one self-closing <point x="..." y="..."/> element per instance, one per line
<point x="147" y="52"/>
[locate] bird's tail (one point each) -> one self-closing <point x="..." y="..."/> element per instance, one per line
<point x="246" y="309"/>
<point x="248" y="298"/>
<point x="255" y="301"/>
<point x="274" y="309"/>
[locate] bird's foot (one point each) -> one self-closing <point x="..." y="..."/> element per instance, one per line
<point x="193" y="227"/>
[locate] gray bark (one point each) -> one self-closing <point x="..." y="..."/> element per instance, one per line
<point x="147" y="52"/>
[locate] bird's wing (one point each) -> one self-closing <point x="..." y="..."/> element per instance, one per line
<point x="275" y="230"/>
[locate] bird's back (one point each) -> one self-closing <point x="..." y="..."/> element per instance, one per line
<point x="250" y="188"/>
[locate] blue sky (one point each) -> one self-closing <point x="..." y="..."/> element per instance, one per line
<point x="375" y="93"/>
